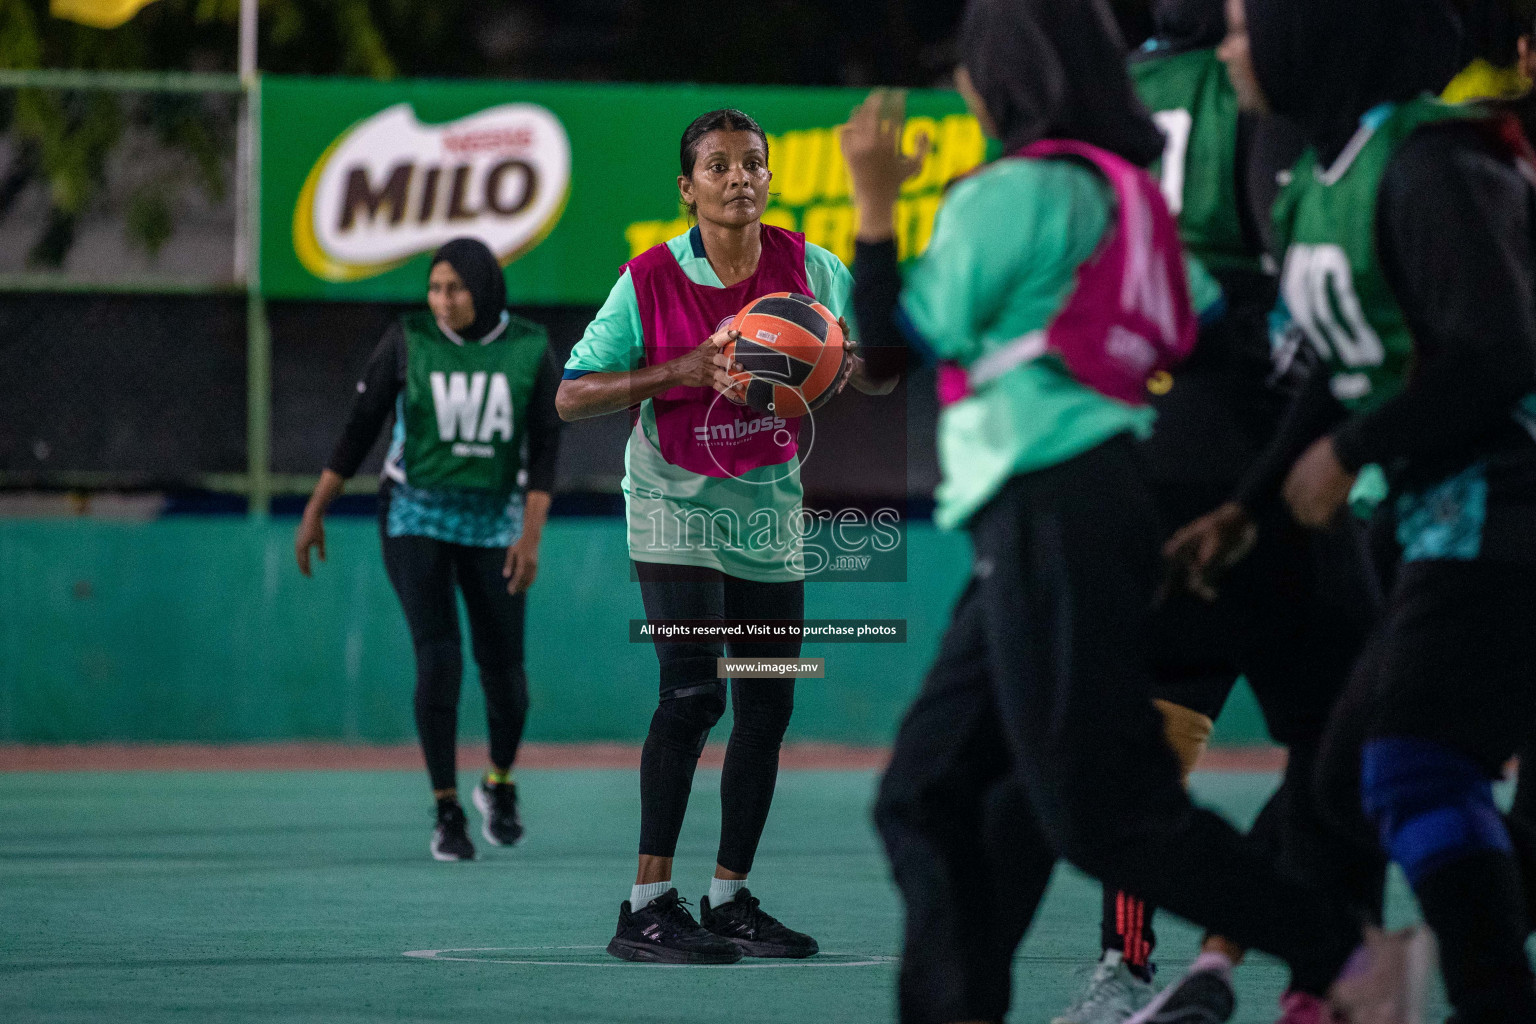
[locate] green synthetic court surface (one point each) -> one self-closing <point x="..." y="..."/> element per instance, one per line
<point x="247" y="896"/>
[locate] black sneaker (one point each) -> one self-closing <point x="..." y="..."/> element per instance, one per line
<point x="663" y="932"/>
<point x="757" y="932"/>
<point x="498" y="802"/>
<point x="450" y="839"/>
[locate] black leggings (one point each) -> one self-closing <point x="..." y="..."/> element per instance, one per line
<point x="693" y="699"/>
<point x="1293" y="617"/>
<point x="423" y="572"/>
<point x="1035" y="737"/>
<point x="1452" y="664"/>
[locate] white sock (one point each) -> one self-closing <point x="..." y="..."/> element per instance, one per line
<point x="640" y="895"/>
<point x="723" y="890"/>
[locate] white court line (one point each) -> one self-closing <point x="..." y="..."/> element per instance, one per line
<point x="819" y="960"/>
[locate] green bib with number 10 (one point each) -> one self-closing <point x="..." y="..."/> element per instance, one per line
<point x="1332" y="282"/>
<point x="1192" y="101"/>
<point x="466" y="405"/>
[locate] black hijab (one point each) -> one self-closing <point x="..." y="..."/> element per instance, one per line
<point x="1324" y="63"/>
<point x="1182" y="25"/>
<point x="478" y="268"/>
<point x="1056" y="69"/>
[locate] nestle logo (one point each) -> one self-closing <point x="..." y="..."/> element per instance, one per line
<point x="491" y="140"/>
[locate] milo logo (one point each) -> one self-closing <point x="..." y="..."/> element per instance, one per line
<point x="391" y="188"/>
<point x="473" y="409"/>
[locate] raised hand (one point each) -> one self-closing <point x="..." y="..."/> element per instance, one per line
<point x="871" y="143"/>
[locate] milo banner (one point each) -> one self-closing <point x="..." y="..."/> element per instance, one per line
<point x="362" y="180"/>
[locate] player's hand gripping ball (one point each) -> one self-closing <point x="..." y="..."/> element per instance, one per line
<point x="791" y="353"/>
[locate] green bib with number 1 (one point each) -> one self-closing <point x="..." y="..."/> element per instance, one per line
<point x="1332" y="282"/>
<point x="1192" y="101"/>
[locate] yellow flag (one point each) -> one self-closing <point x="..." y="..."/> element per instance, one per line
<point x="96" y="13"/>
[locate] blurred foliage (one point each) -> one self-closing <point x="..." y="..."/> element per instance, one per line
<point x="64" y="138"/>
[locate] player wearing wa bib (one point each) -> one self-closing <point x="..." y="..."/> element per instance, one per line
<point x="712" y="494"/>
<point x="464" y="411"/>
<point x="1034" y="736"/>
<point x="471" y="388"/>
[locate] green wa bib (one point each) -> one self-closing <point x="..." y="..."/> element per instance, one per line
<point x="466" y="405"/>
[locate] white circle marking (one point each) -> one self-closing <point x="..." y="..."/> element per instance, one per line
<point x="855" y="959"/>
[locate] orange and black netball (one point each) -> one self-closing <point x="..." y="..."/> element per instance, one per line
<point x="791" y="354"/>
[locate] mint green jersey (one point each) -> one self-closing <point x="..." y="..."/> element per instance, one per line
<point x="745" y="526"/>
<point x="466" y="403"/>
<point x="1332" y="283"/>
<point x="1003" y="260"/>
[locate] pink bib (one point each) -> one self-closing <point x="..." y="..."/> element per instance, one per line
<point x="700" y="429"/>
<point x="1129" y="315"/>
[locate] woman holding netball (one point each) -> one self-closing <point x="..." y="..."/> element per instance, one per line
<point x="1053" y="285"/>
<point x="470" y="386"/>
<point x="712" y="494"/>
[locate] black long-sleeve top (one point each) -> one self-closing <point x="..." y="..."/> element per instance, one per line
<point x="1455" y="230"/>
<point x="380" y="384"/>
<point x="876" y="292"/>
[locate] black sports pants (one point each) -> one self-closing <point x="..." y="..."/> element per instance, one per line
<point x="1034" y="737"/>
<point x="693" y="699"/>
<point x="1292" y="617"/>
<point x="424" y="572"/>
<point x="1454" y="663"/>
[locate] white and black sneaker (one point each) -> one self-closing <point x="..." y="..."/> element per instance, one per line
<point x="497" y="802"/>
<point x="1112" y="994"/>
<point x="663" y="932"/>
<point x="450" y="839"/>
<point x="1199" y="997"/>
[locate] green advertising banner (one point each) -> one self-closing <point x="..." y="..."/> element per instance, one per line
<point x="362" y="180"/>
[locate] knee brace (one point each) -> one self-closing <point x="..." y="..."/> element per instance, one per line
<point x="1186" y="731"/>
<point x="684" y="717"/>
<point x="1430" y="804"/>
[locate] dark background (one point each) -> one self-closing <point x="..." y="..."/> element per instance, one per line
<point x="152" y="389"/>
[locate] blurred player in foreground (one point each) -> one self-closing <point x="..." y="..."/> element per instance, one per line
<point x="1040" y="680"/>
<point x="1293" y="616"/>
<point x="1408" y="267"/>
